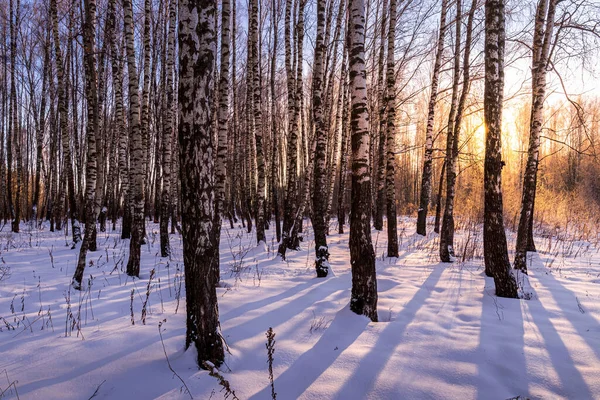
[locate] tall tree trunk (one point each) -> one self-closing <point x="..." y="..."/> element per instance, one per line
<point x="390" y="169"/>
<point x="168" y="125"/>
<point x="495" y="250"/>
<point x="223" y="115"/>
<point x="362" y="256"/>
<point x="91" y="90"/>
<point x="144" y="118"/>
<point x="39" y="139"/>
<point x="64" y="128"/>
<point x="197" y="52"/>
<point x="380" y="203"/>
<point x="292" y="206"/>
<point x="16" y="131"/>
<point x="544" y="23"/>
<point x="447" y="233"/>
<point x="136" y="173"/>
<point x="257" y="126"/>
<point x="447" y="236"/>
<point x="319" y="196"/>
<point x="274" y="133"/>
<point x="426" y="180"/>
<point x="345" y="140"/>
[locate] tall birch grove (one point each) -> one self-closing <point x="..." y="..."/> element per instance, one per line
<point x="302" y="124"/>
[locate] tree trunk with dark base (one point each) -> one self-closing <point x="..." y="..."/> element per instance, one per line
<point x="447" y="233"/>
<point x="363" y="299"/>
<point x="168" y="123"/>
<point x="495" y="250"/>
<point x="544" y="23"/>
<point x="197" y="52"/>
<point x="64" y="128"/>
<point x="91" y="90"/>
<point x="137" y="151"/>
<point x="390" y="169"/>
<point x="319" y="196"/>
<point x="426" y="181"/>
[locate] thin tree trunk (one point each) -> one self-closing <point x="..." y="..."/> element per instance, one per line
<point x="390" y="169"/>
<point x="319" y="196"/>
<point x="39" y="139"/>
<point x="544" y="23"/>
<point x="292" y="205"/>
<point x="64" y="128"/>
<point x="91" y="90"/>
<point x="345" y="140"/>
<point x="168" y="125"/>
<point x="438" y="203"/>
<point x="362" y="256"/>
<point x="16" y="131"/>
<point x="257" y="127"/>
<point x="426" y="181"/>
<point x="274" y="133"/>
<point x="446" y="236"/>
<point x="381" y="195"/>
<point x="136" y="172"/>
<point x="495" y="250"/>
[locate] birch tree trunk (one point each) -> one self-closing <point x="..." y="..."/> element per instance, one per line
<point x="544" y="23"/>
<point x="426" y="181"/>
<point x="91" y="90"/>
<point x="495" y="250"/>
<point x="14" y="133"/>
<point x="64" y="127"/>
<point x="257" y="126"/>
<point x="363" y="299"/>
<point x="197" y="52"/>
<point x="446" y="239"/>
<point x="167" y="132"/>
<point x="390" y="169"/>
<point x="380" y="203"/>
<point x="289" y="238"/>
<point x="319" y="196"/>
<point x="275" y="136"/>
<point x="136" y="172"/>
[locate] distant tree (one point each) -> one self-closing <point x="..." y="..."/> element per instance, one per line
<point x="426" y="181"/>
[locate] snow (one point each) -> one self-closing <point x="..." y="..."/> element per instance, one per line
<point x="443" y="333"/>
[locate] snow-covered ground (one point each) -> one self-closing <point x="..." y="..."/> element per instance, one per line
<point x="442" y="333"/>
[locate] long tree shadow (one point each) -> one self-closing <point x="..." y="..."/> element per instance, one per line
<point x="572" y="383"/>
<point x="287" y="310"/>
<point x="241" y="310"/>
<point x="584" y="323"/>
<point x="501" y="352"/>
<point x="362" y="380"/>
<point x="341" y="333"/>
<point x="76" y="373"/>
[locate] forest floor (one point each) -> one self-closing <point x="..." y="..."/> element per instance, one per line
<point x="442" y="333"/>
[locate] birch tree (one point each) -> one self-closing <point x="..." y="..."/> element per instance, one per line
<point x="495" y="250"/>
<point x="319" y="197"/>
<point x="197" y="52"/>
<point x="91" y="89"/>
<point x="363" y="299"/>
<point x="136" y="173"/>
<point x="390" y="134"/>
<point x="426" y="180"/>
<point x="542" y="38"/>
